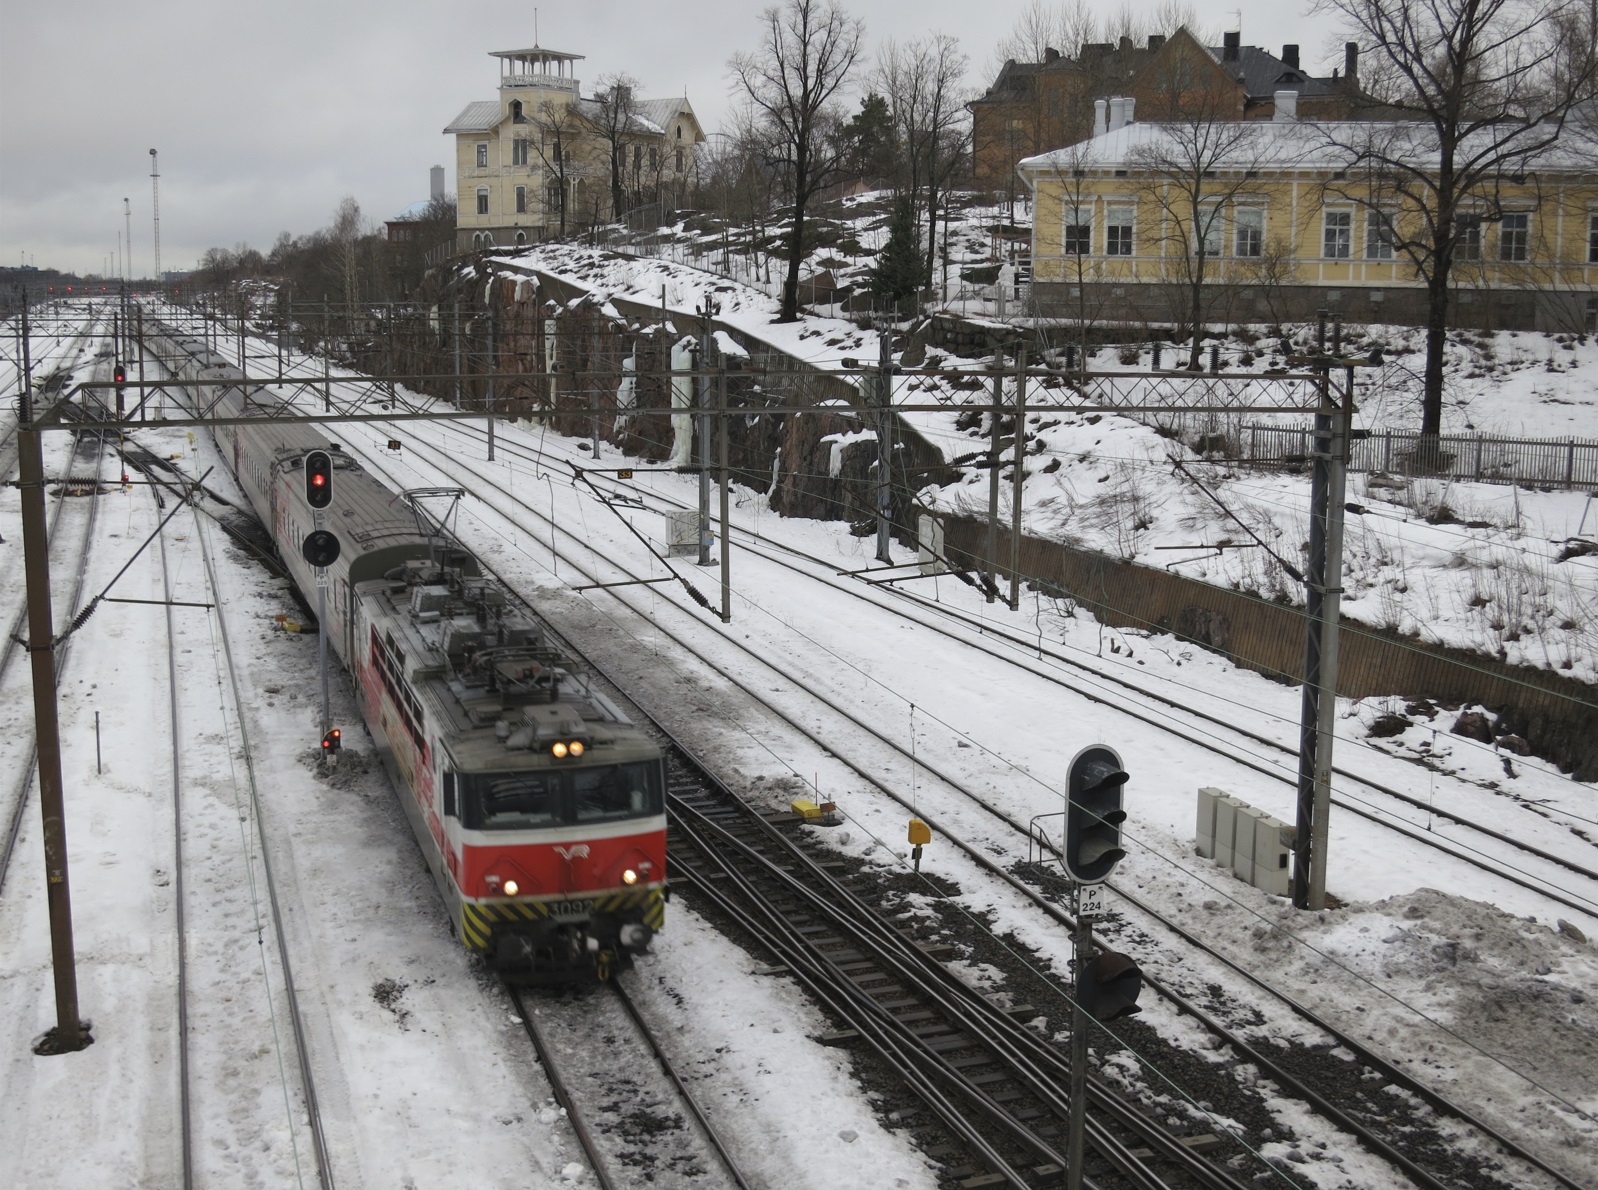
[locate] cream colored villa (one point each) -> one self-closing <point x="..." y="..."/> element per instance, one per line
<point x="537" y="161"/>
<point x="1288" y="223"/>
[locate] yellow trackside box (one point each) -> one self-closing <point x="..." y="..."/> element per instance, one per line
<point x="920" y="832"/>
<point x="805" y="808"/>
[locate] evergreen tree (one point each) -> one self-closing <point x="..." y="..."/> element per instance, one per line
<point x="872" y="140"/>
<point x="901" y="269"/>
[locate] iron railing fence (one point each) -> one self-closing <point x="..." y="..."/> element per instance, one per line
<point x="1542" y="462"/>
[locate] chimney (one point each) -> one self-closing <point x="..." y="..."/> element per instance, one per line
<point x="1290" y="55"/>
<point x="1156" y="40"/>
<point x="1100" y="118"/>
<point x="1229" y="47"/>
<point x="1286" y="107"/>
<point x="435" y="179"/>
<point x="1126" y="44"/>
<point x="1351" y="62"/>
<point x="1050" y="54"/>
<point x="1117" y="113"/>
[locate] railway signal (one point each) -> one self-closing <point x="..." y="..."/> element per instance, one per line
<point x="320" y="548"/>
<point x="1109" y="986"/>
<point x="120" y="375"/>
<point x="332" y="741"/>
<point x="1093" y="815"/>
<point x="318" y="479"/>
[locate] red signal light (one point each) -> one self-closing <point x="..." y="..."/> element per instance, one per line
<point x="333" y="741"/>
<point x="120" y="374"/>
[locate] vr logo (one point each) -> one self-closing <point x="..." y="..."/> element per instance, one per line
<point x="576" y="851"/>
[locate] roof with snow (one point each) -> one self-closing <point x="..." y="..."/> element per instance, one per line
<point x="1294" y="145"/>
<point x="481" y="115"/>
<point x="412" y="213"/>
<point x="650" y="116"/>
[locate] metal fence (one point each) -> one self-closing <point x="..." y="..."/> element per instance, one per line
<point x="1555" y="462"/>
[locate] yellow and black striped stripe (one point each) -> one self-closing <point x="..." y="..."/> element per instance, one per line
<point x="479" y="918"/>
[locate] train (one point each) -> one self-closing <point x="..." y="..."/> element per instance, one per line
<point x="539" y="805"/>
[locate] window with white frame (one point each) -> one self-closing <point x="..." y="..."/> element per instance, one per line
<point x="1248" y="231"/>
<point x="1337" y="234"/>
<point x="1467" y="245"/>
<point x="1514" y="236"/>
<point x="519" y="151"/>
<point x="1078" y="240"/>
<point x="482" y="200"/>
<point x="679" y="158"/>
<point x="1379" y="234"/>
<point x="1592" y="237"/>
<point x="1118" y="229"/>
<point x="521" y="200"/>
<point x="482" y="155"/>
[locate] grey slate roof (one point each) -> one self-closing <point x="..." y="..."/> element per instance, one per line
<point x="1265" y="74"/>
<point x="479" y="116"/>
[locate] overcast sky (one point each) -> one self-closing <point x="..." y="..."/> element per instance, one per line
<point x="267" y="113"/>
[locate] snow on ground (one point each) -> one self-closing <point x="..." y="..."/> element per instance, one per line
<point x="1484" y="567"/>
<point x="409" y="1043"/>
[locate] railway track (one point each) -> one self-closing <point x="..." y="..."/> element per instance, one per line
<point x="306" y="1113"/>
<point x="85" y="461"/>
<point x="1542" y="871"/>
<point x="594" y="1048"/>
<point x="1368" y="1135"/>
<point x="1392" y="1138"/>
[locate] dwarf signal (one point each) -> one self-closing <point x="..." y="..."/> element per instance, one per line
<point x="332" y="741"/>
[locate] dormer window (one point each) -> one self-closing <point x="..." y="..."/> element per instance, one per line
<point x="679" y="132"/>
<point x="516" y="115"/>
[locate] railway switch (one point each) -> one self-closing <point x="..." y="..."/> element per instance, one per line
<point x="1093" y="815"/>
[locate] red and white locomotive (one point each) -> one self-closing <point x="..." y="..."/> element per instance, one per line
<point x="539" y="806"/>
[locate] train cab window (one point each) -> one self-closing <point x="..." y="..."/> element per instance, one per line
<point x="621" y="791"/>
<point x="518" y="801"/>
<point x="555" y="797"/>
<point x="450" y="808"/>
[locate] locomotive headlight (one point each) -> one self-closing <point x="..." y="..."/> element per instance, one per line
<point x="558" y="749"/>
<point x="629" y="877"/>
<point x="511" y="888"/>
<point x="577" y="747"/>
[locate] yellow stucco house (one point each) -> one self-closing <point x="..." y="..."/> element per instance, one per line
<point x="536" y="161"/>
<point x="1269" y="221"/>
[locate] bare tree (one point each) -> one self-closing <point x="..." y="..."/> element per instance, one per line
<point x="808" y="52"/>
<point x="1189" y="173"/>
<point x="556" y="124"/>
<point x="920" y="79"/>
<point x="348" y="227"/>
<point x="615" y="109"/>
<point x="1084" y="271"/>
<point x="1487" y="86"/>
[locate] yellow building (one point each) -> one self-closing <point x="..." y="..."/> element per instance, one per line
<point x="537" y="161"/>
<point x="1268" y="222"/>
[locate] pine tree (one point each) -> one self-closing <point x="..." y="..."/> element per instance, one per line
<point x="901" y="272"/>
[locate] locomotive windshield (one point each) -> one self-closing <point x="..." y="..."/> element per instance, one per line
<point x="558" y="797"/>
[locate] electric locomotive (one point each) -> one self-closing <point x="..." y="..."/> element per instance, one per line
<point x="539" y="806"/>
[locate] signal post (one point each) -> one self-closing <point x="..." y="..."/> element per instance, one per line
<point x="321" y="549"/>
<point x="1107" y="986"/>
